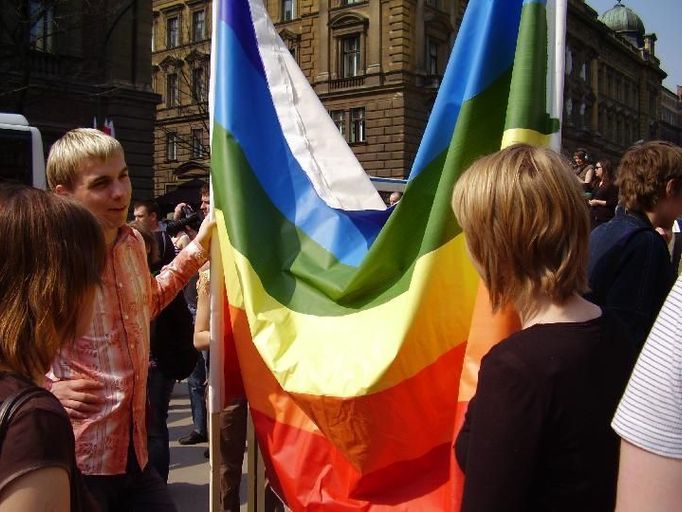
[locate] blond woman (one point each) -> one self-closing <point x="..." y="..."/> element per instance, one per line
<point x="536" y="434"/>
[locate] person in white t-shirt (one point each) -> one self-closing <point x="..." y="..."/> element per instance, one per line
<point x="649" y="419"/>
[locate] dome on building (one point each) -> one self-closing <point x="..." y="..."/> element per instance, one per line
<point x="624" y="21"/>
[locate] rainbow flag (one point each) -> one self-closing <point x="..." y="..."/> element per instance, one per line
<point x="358" y="328"/>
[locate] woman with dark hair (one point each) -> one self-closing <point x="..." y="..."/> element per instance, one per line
<point x="604" y="195"/>
<point x="51" y="257"/>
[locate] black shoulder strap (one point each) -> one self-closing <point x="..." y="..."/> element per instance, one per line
<point x="13" y="403"/>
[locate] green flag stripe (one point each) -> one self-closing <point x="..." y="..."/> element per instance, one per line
<point x="527" y="97"/>
<point x="306" y="278"/>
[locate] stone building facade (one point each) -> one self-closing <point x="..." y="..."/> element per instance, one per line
<point x="671" y="115"/>
<point x="65" y="63"/>
<point x="180" y="74"/>
<point x="613" y="88"/>
<point x="376" y="66"/>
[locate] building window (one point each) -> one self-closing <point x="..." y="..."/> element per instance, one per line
<point x="172" y="90"/>
<point x="432" y="57"/>
<point x="357" y="125"/>
<point x="339" y="118"/>
<point x="172" y="147"/>
<point x="288" y="10"/>
<point x="292" y="41"/>
<point x="199" y="84"/>
<point x="42" y="25"/>
<point x="350" y="56"/>
<point x="198" y="25"/>
<point x="584" y="72"/>
<point x="172" y="32"/>
<point x="198" y="143"/>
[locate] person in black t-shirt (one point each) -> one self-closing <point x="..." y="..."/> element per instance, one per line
<point x="537" y="434"/>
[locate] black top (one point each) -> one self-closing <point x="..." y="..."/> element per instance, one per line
<point x="630" y="272"/>
<point x="40" y="436"/>
<point x="537" y="434"/>
<point x="598" y="213"/>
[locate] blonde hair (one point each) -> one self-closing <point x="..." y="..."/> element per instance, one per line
<point x="644" y="171"/>
<point x="526" y="225"/>
<point x="74" y="149"/>
<point x="51" y="258"/>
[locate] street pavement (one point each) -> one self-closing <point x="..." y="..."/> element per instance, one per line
<point x="189" y="469"/>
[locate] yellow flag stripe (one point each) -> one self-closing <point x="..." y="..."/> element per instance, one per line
<point x="366" y="351"/>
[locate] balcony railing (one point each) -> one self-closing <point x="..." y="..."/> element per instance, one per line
<point x="49" y="64"/>
<point x="346" y="83"/>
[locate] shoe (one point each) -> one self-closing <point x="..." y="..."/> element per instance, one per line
<point x="206" y="454"/>
<point x="193" y="437"/>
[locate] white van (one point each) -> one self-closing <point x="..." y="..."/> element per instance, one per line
<point x="21" y="151"/>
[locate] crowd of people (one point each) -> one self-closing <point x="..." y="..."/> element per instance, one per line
<point x="100" y="318"/>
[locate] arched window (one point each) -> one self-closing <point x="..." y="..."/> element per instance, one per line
<point x="349" y="40"/>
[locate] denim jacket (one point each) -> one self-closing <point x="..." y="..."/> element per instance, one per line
<point x="630" y="272"/>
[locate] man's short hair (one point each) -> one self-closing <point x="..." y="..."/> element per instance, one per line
<point x="151" y="206"/>
<point x="644" y="171"/>
<point x="526" y="224"/>
<point x="581" y="153"/>
<point x="69" y="153"/>
<point x="204" y="190"/>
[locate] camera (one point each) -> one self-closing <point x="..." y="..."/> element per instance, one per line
<point x="186" y="211"/>
<point x="190" y="219"/>
<point x="193" y="221"/>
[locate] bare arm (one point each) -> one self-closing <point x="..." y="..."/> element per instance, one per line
<point x="166" y="285"/>
<point x="647" y="481"/>
<point x="202" y="320"/>
<point x="42" y="490"/>
<point x="589" y="175"/>
<point x="182" y="242"/>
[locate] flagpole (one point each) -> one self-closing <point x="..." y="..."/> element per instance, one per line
<point x="559" y="57"/>
<point x="217" y="291"/>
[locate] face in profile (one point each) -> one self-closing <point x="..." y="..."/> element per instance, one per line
<point x="205" y="204"/>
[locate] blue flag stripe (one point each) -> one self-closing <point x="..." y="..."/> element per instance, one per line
<point x="252" y="120"/>
<point x="484" y="50"/>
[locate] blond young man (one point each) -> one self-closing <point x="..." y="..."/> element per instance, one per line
<point x="536" y="434"/>
<point x="101" y="379"/>
<point x="630" y="269"/>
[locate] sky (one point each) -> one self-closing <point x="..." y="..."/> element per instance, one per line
<point x="663" y="18"/>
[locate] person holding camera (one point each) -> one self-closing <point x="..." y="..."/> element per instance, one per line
<point x="184" y="217"/>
